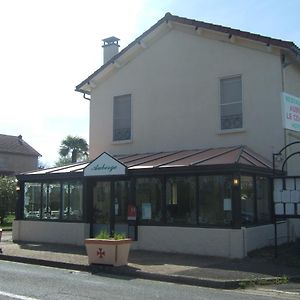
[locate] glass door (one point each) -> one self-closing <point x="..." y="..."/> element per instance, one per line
<point x="101" y="207"/>
<point x="120" y="208"/>
<point x="110" y="206"/>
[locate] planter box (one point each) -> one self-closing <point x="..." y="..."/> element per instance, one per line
<point x="108" y="252"/>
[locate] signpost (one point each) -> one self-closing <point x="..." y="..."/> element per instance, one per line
<point x="290" y="112"/>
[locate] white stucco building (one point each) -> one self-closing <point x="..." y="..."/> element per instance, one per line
<point x="183" y="124"/>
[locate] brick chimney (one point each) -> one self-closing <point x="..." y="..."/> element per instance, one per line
<point x="110" y="48"/>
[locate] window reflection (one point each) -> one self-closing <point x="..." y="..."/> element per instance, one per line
<point x="181" y="200"/>
<point x="215" y="200"/>
<point x="148" y="199"/>
<point x="53" y="200"/>
<point x="247" y="200"/>
<point x="72" y="201"/>
<point x="32" y="200"/>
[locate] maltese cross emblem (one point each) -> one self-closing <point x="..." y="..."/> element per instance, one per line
<point x="100" y="253"/>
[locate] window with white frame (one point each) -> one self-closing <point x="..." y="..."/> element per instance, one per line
<point x="231" y="103"/>
<point x="122" y="118"/>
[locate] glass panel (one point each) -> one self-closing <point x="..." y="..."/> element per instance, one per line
<point x="148" y="199"/>
<point x="181" y="200"/>
<point x="215" y="206"/>
<point x="263" y="199"/>
<point x="122" y="118"/>
<point x="101" y="204"/>
<point x="231" y="122"/>
<point x="121" y="197"/>
<point x="45" y="204"/>
<point x="54" y="200"/>
<point x="72" y="201"/>
<point x="32" y="200"/>
<point x="229" y="110"/>
<point x="231" y="90"/>
<point x="247" y="200"/>
<point x="231" y="103"/>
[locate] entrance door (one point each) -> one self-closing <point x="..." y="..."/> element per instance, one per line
<point x="101" y="207"/>
<point x="110" y="205"/>
<point x="121" y="192"/>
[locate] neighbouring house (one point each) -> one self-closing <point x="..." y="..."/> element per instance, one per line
<point x="16" y="155"/>
<point x="183" y="125"/>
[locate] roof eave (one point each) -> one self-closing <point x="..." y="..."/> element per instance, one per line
<point x="199" y="24"/>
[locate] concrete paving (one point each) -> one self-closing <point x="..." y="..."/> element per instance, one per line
<point x="209" y="271"/>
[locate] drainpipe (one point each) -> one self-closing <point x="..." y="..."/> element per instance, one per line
<point x="85" y="97"/>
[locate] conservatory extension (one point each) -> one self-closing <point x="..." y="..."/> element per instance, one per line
<point x="214" y="201"/>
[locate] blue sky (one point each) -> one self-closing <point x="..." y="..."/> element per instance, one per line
<point x="50" y="46"/>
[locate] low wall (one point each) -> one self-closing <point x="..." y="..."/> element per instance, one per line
<point x="50" y="232"/>
<point x="263" y="236"/>
<point x="199" y="241"/>
<point x="294" y="228"/>
<point x="232" y="243"/>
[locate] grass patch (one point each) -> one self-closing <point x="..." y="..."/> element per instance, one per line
<point x="260" y="281"/>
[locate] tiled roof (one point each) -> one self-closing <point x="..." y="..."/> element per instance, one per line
<point x="16" y="145"/>
<point x="241" y="155"/>
<point x="197" y="24"/>
<point x="235" y="32"/>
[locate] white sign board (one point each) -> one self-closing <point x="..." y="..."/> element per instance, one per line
<point x="291" y="112"/>
<point x="105" y="165"/>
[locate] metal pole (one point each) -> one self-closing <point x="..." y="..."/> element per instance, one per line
<point x="274" y="214"/>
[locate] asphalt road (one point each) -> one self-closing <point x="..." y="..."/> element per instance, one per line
<point x="29" y="282"/>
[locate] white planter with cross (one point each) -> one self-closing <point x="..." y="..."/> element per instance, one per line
<point x="108" y="251"/>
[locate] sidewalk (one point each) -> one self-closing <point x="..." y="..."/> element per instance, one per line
<point x="178" y="268"/>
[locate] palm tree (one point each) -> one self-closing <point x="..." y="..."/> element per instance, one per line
<point x="75" y="146"/>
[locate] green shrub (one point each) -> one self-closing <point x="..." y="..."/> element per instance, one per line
<point x="104" y="235"/>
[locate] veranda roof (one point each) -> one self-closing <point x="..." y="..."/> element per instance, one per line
<point x="207" y="159"/>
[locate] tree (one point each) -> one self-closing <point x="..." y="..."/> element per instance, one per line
<point x="8" y="196"/>
<point x="72" y="149"/>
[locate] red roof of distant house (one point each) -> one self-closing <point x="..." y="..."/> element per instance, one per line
<point x="16" y="145"/>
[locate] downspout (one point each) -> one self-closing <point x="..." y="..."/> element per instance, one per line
<point x="85" y="97"/>
<point x="283" y="62"/>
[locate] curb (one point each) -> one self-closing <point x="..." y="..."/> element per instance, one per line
<point x="136" y="273"/>
<point x="45" y="263"/>
<point x="125" y="271"/>
<point x="178" y="279"/>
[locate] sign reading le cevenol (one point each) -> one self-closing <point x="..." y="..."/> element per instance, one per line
<point x="291" y="112"/>
<point x="104" y="165"/>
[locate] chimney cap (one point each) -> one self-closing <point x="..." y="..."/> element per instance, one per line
<point x="110" y="41"/>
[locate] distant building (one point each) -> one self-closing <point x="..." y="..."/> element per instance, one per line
<point x="16" y="155"/>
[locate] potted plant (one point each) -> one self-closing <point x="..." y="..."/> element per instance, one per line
<point x="107" y="250"/>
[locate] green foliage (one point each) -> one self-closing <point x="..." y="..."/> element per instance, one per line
<point x="7" y="223"/>
<point x="119" y="236"/>
<point x="104" y="235"/>
<point x="63" y="161"/>
<point x="8" y="196"/>
<point x="263" y="281"/>
<point x="74" y="147"/>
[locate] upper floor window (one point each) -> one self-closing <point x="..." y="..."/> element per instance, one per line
<point x="122" y="118"/>
<point x="231" y="103"/>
